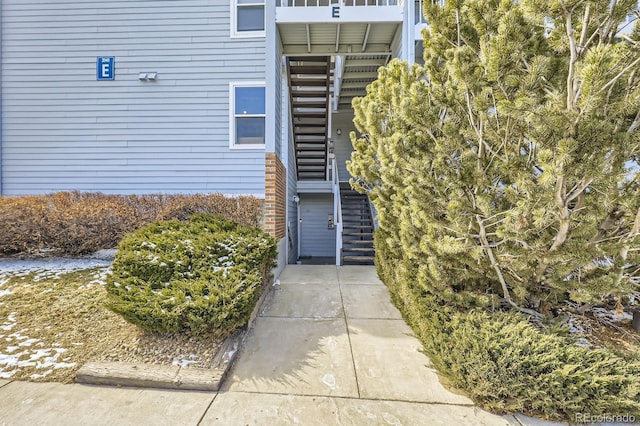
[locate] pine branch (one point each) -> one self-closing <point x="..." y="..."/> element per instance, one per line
<point x="585" y="20"/>
<point x="492" y="259"/>
<point x="573" y="59"/>
<point x="615" y="79"/>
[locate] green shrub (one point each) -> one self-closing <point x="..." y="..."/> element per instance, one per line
<point x="503" y="362"/>
<point x="72" y="223"/>
<point x="203" y="275"/>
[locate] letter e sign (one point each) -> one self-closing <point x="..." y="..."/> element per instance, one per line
<point x="335" y="12"/>
<point x="105" y="68"/>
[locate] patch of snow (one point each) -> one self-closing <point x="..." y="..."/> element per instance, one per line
<point x="183" y="362"/>
<point x="611" y="315"/>
<point x="28" y="342"/>
<point x="32" y="354"/>
<point x="4" y="292"/>
<point x="51" y="268"/>
<point x="7" y="374"/>
<point x="40" y="376"/>
<point x="575" y="328"/>
<point x="10" y="323"/>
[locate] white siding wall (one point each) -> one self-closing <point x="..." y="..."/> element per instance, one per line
<point x="64" y="130"/>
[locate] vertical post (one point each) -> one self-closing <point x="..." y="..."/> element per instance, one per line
<point x="410" y="9"/>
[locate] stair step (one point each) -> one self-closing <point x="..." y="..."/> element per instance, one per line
<point x="311" y="158"/>
<point x="310" y="82"/>
<point x="357" y="234"/>
<point x="318" y="168"/>
<point x="308" y="69"/>
<point x="310" y="114"/>
<point x="359" y="249"/>
<point x="306" y="124"/>
<point x="309" y="94"/>
<point x="358" y="242"/>
<point x="310" y="132"/>
<point x="309" y="104"/>
<point x="359" y="259"/>
<point x="357" y="227"/>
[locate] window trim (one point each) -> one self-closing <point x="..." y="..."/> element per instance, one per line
<point x="234" y="21"/>
<point x="232" y="114"/>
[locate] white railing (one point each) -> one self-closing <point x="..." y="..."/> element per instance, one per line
<point x="316" y="3"/>
<point x="337" y="210"/>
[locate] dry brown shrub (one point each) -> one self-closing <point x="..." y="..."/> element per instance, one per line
<point x="72" y="223"/>
<point x="245" y="210"/>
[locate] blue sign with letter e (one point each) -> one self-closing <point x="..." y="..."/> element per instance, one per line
<point x="106" y="68"/>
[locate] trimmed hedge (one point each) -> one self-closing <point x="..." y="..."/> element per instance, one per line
<point x="203" y="275"/>
<point x="72" y="223"/>
<point x="503" y="362"/>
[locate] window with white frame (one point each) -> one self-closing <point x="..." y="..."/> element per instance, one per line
<point x="248" y="112"/>
<point x="248" y="18"/>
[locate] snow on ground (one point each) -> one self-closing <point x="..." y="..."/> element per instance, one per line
<point x="50" y="268"/>
<point x="54" y="268"/>
<point x="24" y="351"/>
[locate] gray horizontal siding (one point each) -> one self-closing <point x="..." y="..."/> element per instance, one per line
<point x="342" y="143"/>
<point x="63" y="130"/>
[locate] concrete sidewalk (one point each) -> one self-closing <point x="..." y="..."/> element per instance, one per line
<point x="328" y="347"/>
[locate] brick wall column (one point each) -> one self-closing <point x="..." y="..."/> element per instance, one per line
<point x="275" y="206"/>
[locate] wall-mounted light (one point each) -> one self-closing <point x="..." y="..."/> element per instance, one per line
<point x="147" y="76"/>
<point x="338" y="132"/>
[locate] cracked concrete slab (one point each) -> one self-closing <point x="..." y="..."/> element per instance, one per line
<point x="358" y="275"/>
<point x="389" y="364"/>
<point x="368" y="301"/>
<point x="295" y="356"/>
<point x="309" y="274"/>
<point x="303" y="301"/>
<point x="231" y="408"/>
<point x="51" y="404"/>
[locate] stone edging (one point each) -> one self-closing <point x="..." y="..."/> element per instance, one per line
<point x="142" y="375"/>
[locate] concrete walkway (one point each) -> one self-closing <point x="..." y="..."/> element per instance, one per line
<point x="327" y="348"/>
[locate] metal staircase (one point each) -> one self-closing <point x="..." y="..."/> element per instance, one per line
<point x="309" y="90"/>
<point x="357" y="228"/>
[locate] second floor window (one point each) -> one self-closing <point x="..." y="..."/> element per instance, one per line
<point x="249" y="18"/>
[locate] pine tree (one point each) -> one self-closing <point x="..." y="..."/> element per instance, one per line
<point x="506" y="167"/>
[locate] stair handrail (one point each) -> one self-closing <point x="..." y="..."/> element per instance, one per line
<point x="337" y="209"/>
<point x="372" y="208"/>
